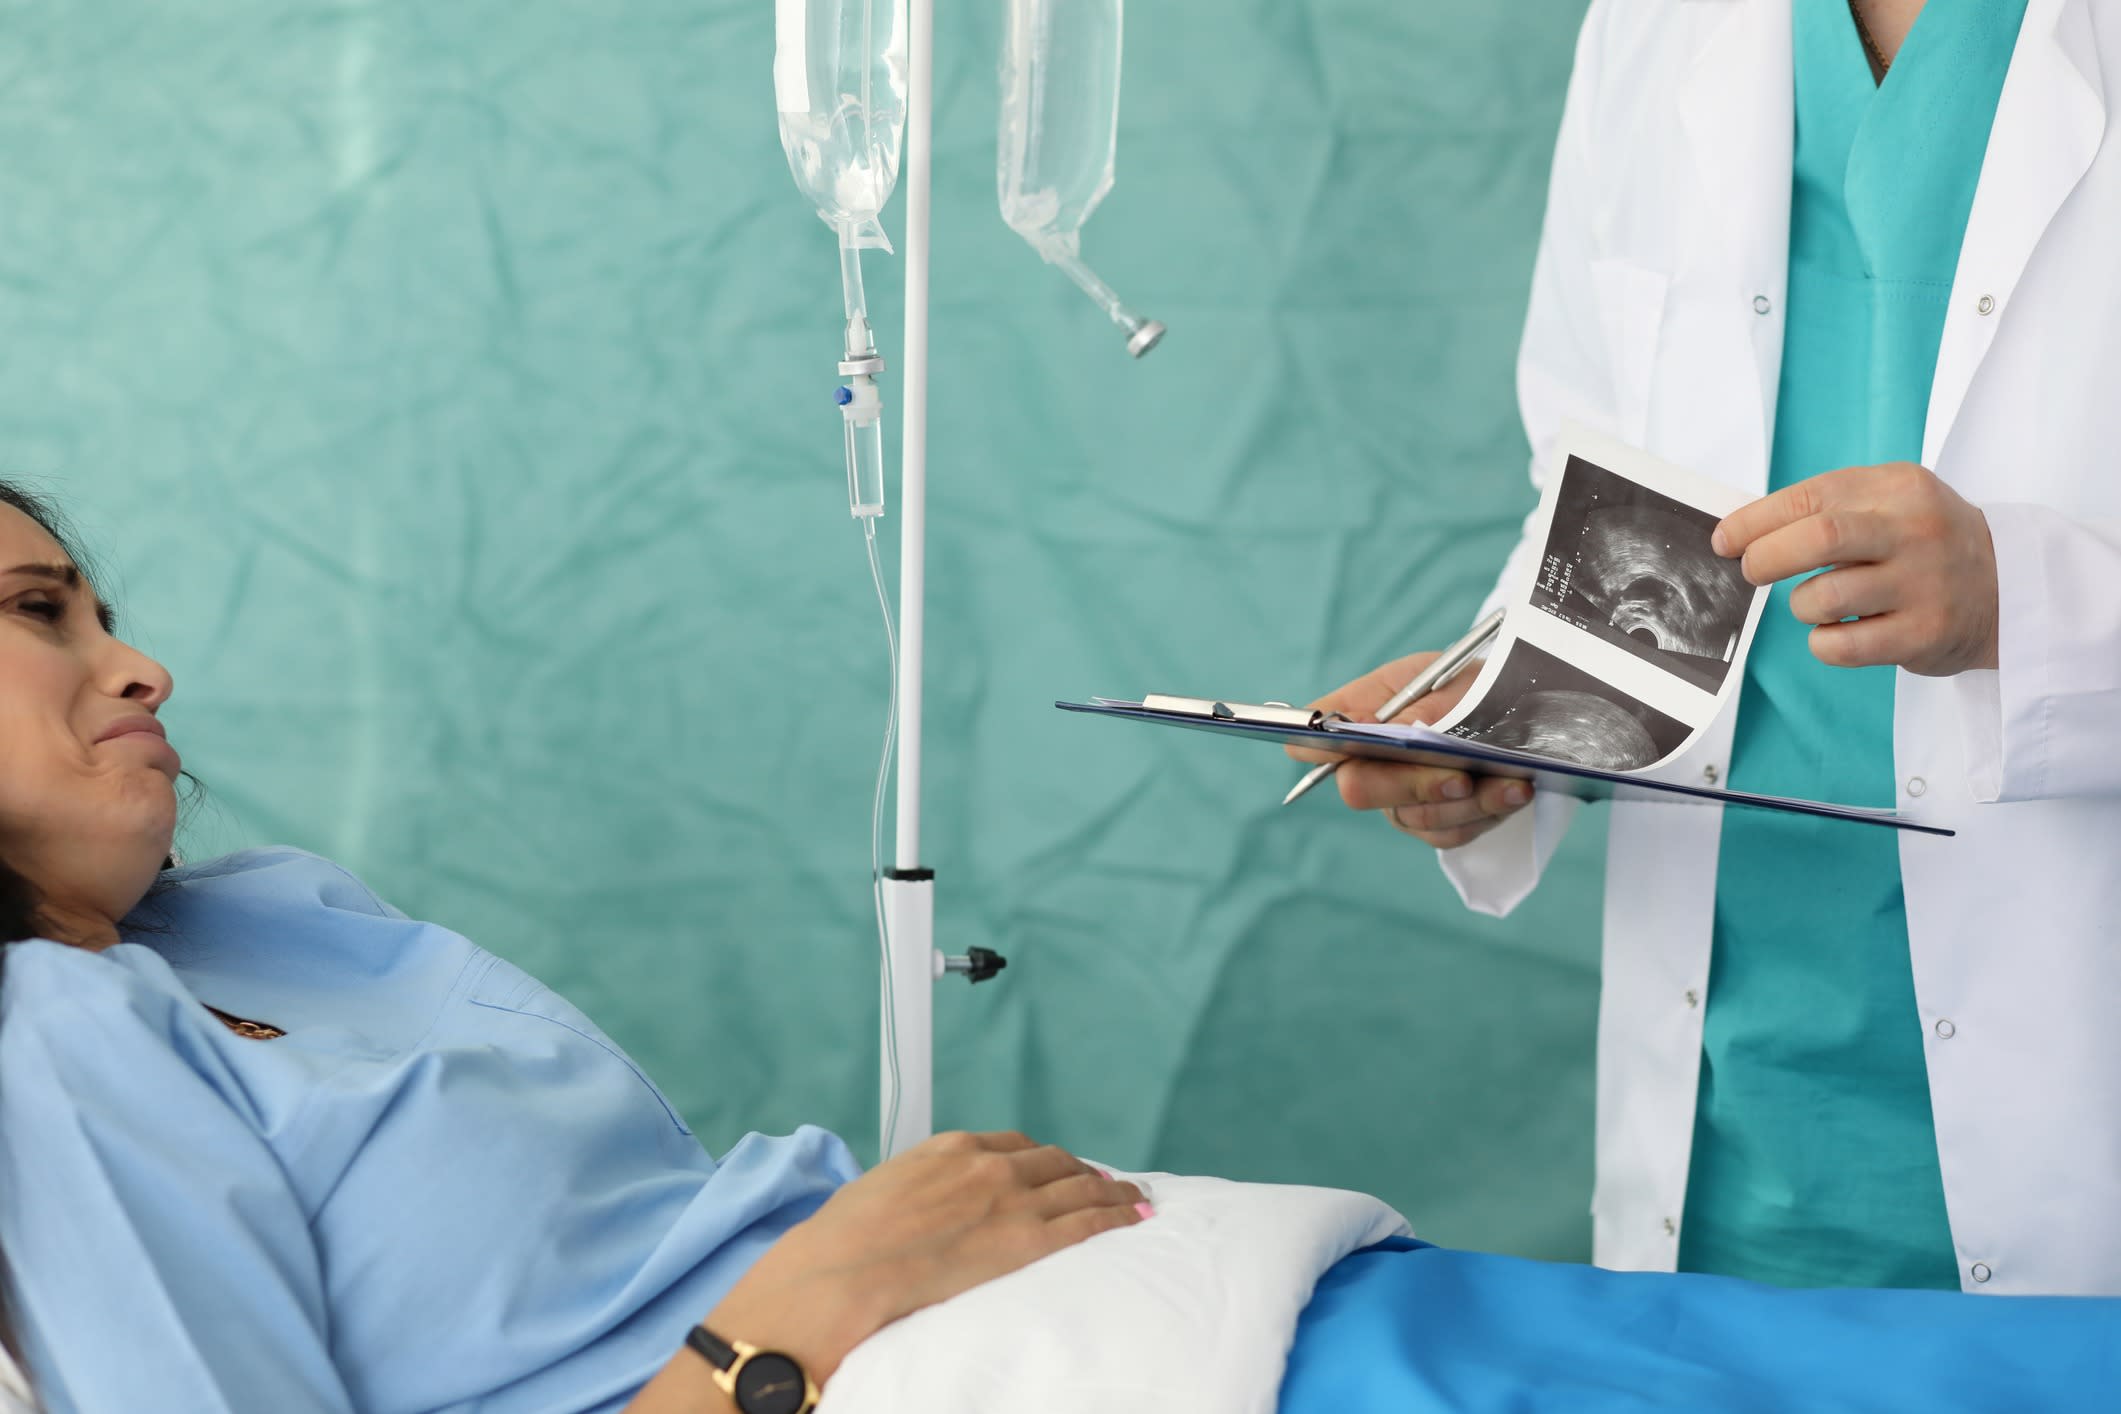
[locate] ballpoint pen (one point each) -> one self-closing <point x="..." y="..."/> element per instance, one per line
<point x="1425" y="682"/>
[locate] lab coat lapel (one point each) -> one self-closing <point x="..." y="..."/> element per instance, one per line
<point x="1737" y="110"/>
<point x="2049" y="121"/>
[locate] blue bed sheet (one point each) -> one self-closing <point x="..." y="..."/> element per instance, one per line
<point x="1405" y="1328"/>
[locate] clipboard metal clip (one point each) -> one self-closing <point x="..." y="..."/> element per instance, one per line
<point x="1259" y="714"/>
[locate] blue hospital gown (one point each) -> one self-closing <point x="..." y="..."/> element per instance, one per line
<point x="444" y="1188"/>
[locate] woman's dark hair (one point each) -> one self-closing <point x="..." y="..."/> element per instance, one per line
<point x="21" y="911"/>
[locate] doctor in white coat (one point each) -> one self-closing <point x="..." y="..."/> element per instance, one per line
<point x="1988" y="577"/>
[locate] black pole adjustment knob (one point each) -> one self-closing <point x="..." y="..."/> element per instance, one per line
<point x="977" y="964"/>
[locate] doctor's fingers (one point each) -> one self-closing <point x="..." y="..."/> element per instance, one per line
<point x="1361" y="699"/>
<point x="1832" y="537"/>
<point x="1495" y="798"/>
<point x="1925" y="640"/>
<point x="1850" y="592"/>
<point x="1379" y="785"/>
<point x="1423" y="800"/>
<point x="1900" y="485"/>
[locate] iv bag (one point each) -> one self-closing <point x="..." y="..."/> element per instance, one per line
<point x="839" y="79"/>
<point x="1060" y="135"/>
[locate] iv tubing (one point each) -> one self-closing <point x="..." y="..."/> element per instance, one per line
<point x="856" y="299"/>
<point x="893" y="1081"/>
<point x="1086" y="280"/>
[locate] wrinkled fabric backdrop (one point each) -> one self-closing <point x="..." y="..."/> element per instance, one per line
<point x="447" y="389"/>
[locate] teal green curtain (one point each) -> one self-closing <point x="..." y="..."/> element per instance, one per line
<point x="447" y="387"/>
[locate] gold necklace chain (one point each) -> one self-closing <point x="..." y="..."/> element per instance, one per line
<point x="1870" y="45"/>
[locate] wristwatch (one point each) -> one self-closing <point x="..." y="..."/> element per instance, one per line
<point x="759" y="1381"/>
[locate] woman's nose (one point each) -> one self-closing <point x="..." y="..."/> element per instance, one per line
<point x="141" y="679"/>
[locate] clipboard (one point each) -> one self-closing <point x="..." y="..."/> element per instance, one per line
<point x="1280" y="723"/>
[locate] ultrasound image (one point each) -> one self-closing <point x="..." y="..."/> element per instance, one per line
<point x="1541" y="705"/>
<point x="1634" y="568"/>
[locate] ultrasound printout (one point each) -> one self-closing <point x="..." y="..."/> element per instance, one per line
<point x="1632" y="633"/>
<point x="1633" y="567"/>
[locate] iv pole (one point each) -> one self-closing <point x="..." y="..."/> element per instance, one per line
<point x="909" y="889"/>
<point x="913" y="966"/>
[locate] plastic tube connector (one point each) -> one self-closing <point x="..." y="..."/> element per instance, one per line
<point x="862" y="410"/>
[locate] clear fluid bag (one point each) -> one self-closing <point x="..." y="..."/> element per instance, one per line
<point x="839" y="78"/>
<point x="839" y="81"/>
<point x="1059" y="137"/>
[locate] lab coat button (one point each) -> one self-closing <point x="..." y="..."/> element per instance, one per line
<point x="1671" y="1229"/>
<point x="1709" y="774"/>
<point x="1987" y="304"/>
<point x="1945" y="1029"/>
<point x="1693" y="998"/>
<point x="1916" y="785"/>
<point x="1981" y="1271"/>
<point x="1762" y="304"/>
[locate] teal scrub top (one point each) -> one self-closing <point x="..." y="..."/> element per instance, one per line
<point x="1814" y="1154"/>
<point x="443" y="1189"/>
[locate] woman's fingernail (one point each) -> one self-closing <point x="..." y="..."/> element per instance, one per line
<point x="1145" y="1210"/>
<point x="1457" y="788"/>
<point x="1516" y="795"/>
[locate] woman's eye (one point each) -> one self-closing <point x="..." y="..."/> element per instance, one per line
<point x="50" y="610"/>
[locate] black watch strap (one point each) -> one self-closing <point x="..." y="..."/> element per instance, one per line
<point x="717" y="1352"/>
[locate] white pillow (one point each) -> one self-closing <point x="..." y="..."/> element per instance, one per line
<point x="1190" y="1312"/>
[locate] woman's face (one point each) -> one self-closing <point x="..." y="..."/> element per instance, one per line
<point x="88" y="797"/>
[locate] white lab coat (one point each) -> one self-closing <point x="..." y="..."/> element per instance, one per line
<point x="1656" y="315"/>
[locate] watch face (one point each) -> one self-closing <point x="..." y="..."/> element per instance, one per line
<point x="771" y="1383"/>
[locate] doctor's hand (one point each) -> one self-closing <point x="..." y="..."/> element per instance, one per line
<point x="1911" y="569"/>
<point x="943" y="1217"/>
<point x="1440" y="807"/>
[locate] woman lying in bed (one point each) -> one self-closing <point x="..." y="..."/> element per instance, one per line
<point x="267" y="1144"/>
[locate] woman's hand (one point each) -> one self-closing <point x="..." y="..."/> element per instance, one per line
<point x="1913" y="566"/>
<point x="945" y="1216"/>
<point x="1440" y="807"/>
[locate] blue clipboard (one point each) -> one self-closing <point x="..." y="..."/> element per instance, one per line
<point x="1280" y="724"/>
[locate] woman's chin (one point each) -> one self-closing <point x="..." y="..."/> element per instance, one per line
<point x="150" y="808"/>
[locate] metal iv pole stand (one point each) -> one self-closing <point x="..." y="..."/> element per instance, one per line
<point x="909" y="889"/>
<point x="915" y="966"/>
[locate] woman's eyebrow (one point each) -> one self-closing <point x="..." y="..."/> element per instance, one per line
<point x="70" y="576"/>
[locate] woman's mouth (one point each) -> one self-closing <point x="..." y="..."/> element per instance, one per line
<point x="147" y="733"/>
